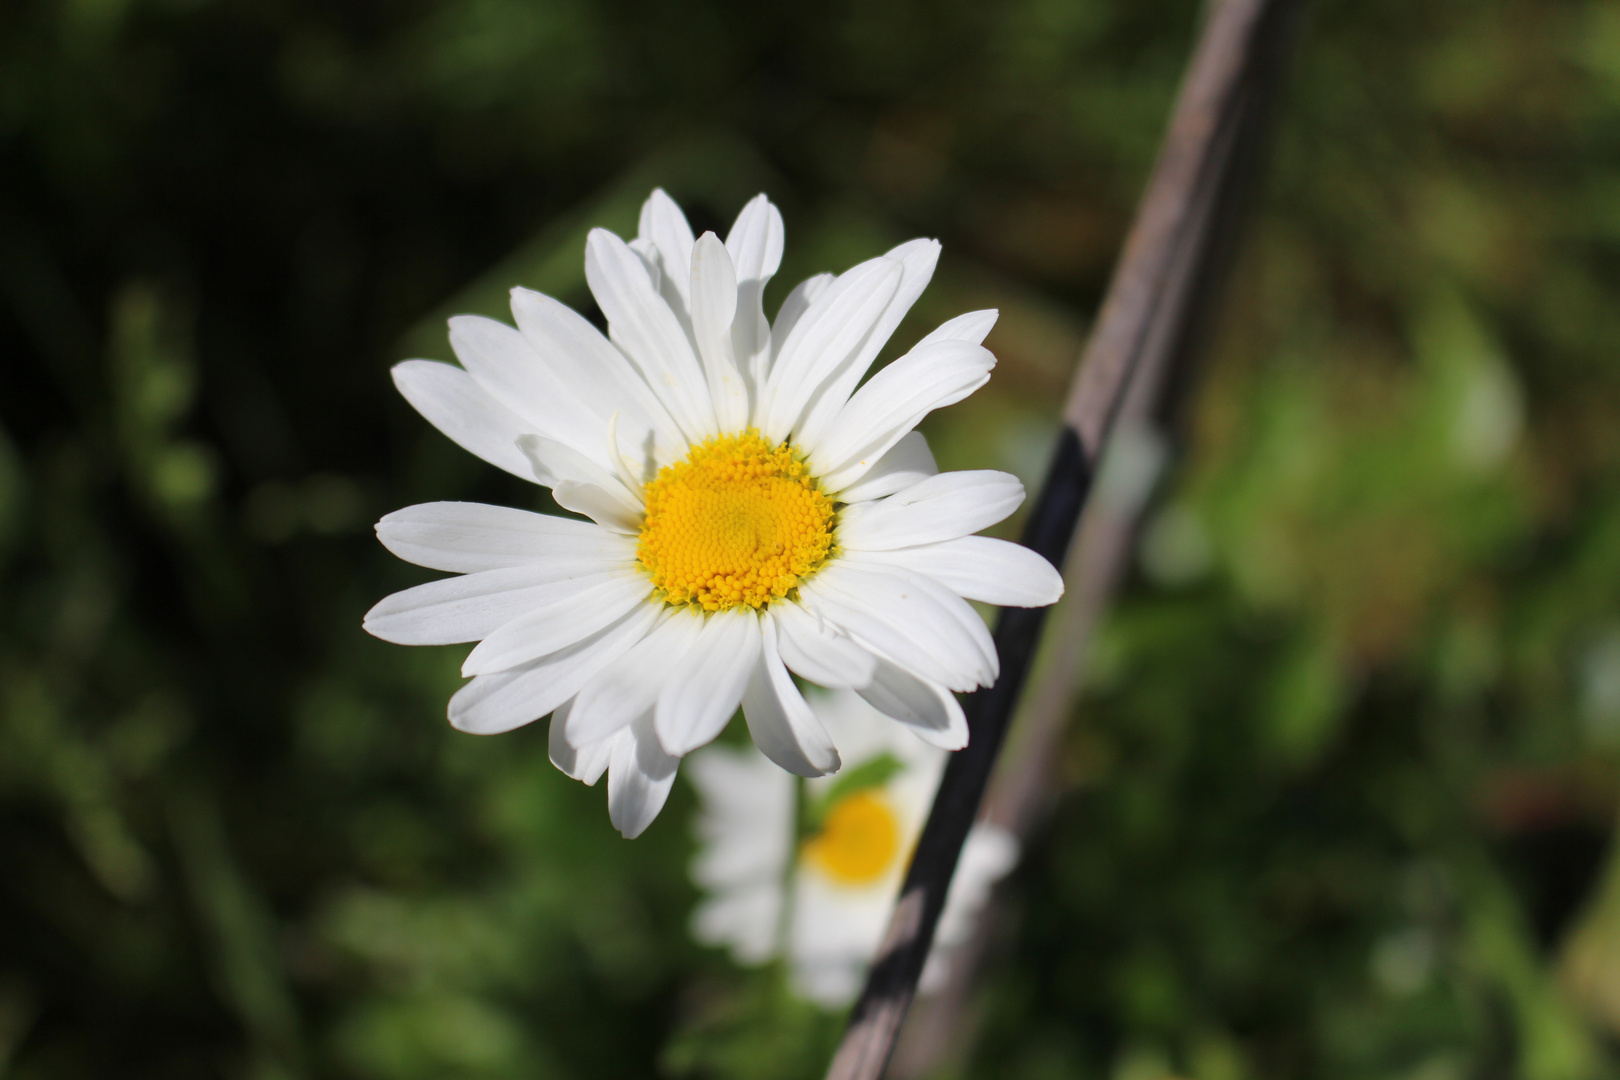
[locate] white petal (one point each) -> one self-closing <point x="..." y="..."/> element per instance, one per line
<point x="504" y="700"/>
<point x="818" y="651"/>
<point x="467" y="537"/>
<point x="745" y="826"/>
<point x="746" y="919"/>
<point x="581" y="485"/>
<point x="453" y="402"/>
<point x="863" y="732"/>
<point x="893" y="401"/>
<point x="798" y="301"/>
<point x="989" y="853"/>
<point x="779" y="719"/>
<point x="603" y="505"/>
<point x="824" y="340"/>
<point x="980" y="568"/>
<point x="909" y="619"/>
<point x="664" y="227"/>
<point x="834" y="929"/>
<point x="917" y="259"/>
<point x="698" y="699"/>
<point x="507" y="366"/>
<point x="928" y="709"/>
<point x="908" y="461"/>
<point x="755" y="244"/>
<point x="755" y="240"/>
<point x="472" y="606"/>
<point x="831" y="983"/>
<point x="585" y="765"/>
<point x="599" y="376"/>
<point x="653" y="263"/>
<point x="648" y="331"/>
<point x="973" y="327"/>
<point x="571" y="610"/>
<point x="714" y="306"/>
<point x="639" y="778"/>
<point x="958" y="610"/>
<point x="553" y="464"/>
<point x="629" y="686"/>
<point x="942" y="507"/>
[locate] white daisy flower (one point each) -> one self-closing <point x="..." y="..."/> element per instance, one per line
<point x="824" y="901"/>
<point x="755" y="509"/>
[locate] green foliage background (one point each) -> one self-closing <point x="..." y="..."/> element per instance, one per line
<point x="1342" y="786"/>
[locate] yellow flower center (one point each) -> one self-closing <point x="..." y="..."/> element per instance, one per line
<point x="739" y="521"/>
<point x="859" y="840"/>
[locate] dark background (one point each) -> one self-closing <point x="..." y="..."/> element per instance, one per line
<point x="1342" y="787"/>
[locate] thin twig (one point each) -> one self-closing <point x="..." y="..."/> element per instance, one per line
<point x="1144" y="320"/>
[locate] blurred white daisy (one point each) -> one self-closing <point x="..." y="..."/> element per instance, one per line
<point x="755" y="509"/>
<point x="811" y="870"/>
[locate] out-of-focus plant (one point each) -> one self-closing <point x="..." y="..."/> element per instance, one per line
<point x="1345" y="770"/>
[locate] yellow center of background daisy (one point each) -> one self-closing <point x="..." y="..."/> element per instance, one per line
<point x="739" y="521"/>
<point x="858" y="842"/>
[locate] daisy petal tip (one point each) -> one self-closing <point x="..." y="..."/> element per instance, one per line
<point x="632" y="829"/>
<point x="1045" y="586"/>
<point x="408" y="375"/>
<point x="467" y="725"/>
<point x="1054" y="591"/>
<point x="461" y="325"/>
<point x="601" y="243"/>
<point x="634" y="801"/>
<point x="376" y="622"/>
<point x="563" y="757"/>
<point x="799" y="763"/>
<point x="478" y="662"/>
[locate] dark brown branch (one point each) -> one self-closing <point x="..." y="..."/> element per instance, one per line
<point x="1160" y="293"/>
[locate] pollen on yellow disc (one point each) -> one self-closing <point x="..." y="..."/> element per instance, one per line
<point x="739" y="521"/>
<point x="859" y="840"/>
